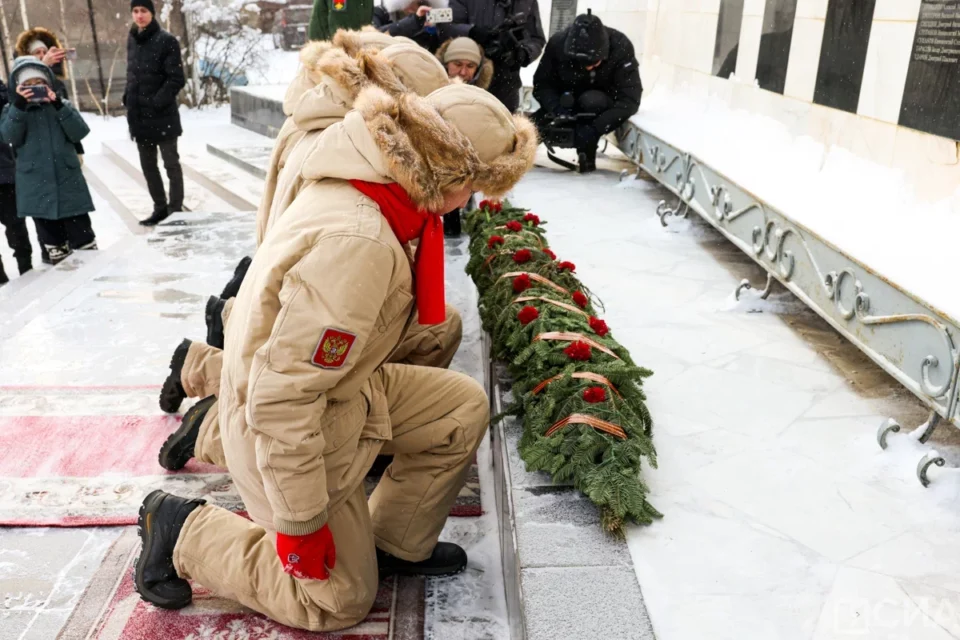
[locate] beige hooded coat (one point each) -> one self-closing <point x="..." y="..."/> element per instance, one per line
<point x="306" y="399"/>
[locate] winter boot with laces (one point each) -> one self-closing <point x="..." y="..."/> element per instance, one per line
<point x="448" y="559"/>
<point x="214" y="317"/>
<point x="172" y="393"/>
<point x="161" y="518"/>
<point x="233" y="287"/>
<point x="179" y="447"/>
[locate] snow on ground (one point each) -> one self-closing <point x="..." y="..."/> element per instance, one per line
<point x="869" y="210"/>
<point x="782" y="517"/>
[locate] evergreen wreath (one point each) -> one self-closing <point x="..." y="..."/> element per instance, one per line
<point x="577" y="392"/>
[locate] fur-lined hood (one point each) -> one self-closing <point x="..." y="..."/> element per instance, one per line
<point x="484" y="72"/>
<point x="341" y="80"/>
<point x="310" y="75"/>
<point x="404" y="139"/>
<point x="398" y="5"/>
<point x="45" y="36"/>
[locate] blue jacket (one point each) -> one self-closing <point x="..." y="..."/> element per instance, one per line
<point x="50" y="183"/>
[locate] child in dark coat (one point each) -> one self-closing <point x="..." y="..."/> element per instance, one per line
<point x="43" y="130"/>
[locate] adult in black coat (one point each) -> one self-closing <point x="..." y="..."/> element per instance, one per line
<point x="408" y="18"/>
<point x="154" y="78"/>
<point x="14" y="226"/>
<point x="588" y="68"/>
<point x="486" y="22"/>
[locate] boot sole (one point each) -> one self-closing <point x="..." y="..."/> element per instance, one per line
<point x="173" y="454"/>
<point x="146" y="541"/>
<point x="176" y="394"/>
<point x="436" y="573"/>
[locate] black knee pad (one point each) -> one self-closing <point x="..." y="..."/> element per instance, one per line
<point x="593" y="101"/>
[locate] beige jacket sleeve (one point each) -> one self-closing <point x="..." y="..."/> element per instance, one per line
<point x="340" y="285"/>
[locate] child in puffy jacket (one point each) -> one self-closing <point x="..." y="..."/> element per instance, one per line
<point x="43" y="130"/>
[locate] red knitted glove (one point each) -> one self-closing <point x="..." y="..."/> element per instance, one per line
<point x="307" y="557"/>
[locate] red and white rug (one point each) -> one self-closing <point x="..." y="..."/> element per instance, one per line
<point x="110" y="609"/>
<point x="77" y="471"/>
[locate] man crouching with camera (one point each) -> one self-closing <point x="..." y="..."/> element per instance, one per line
<point x="587" y="84"/>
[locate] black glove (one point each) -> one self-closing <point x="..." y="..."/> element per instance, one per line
<point x="482" y="35"/>
<point x="58" y="103"/>
<point x="19" y="102"/>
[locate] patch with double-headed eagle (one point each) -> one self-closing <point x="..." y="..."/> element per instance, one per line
<point x="339" y="5"/>
<point x="333" y="348"/>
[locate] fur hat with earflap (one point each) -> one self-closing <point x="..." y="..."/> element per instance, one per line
<point x="399" y="5"/>
<point x="457" y="136"/>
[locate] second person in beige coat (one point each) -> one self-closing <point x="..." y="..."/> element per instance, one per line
<point x="307" y="397"/>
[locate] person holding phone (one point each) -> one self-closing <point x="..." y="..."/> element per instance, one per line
<point x="43" y="129"/>
<point x="409" y="18"/>
<point x="45" y="46"/>
<point x="154" y="80"/>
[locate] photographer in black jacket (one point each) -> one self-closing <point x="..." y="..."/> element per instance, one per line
<point x="587" y="69"/>
<point x="509" y="32"/>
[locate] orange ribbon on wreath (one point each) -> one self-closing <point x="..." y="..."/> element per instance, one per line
<point x="556" y="303"/>
<point x="567" y="336"/>
<point x="591" y="421"/>
<point x="536" y="277"/>
<point x="579" y="375"/>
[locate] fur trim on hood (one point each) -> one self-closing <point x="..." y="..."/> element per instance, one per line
<point x="45" y="36"/>
<point x="355" y="41"/>
<point x="484" y="73"/>
<point x="398" y="5"/>
<point x="429" y="156"/>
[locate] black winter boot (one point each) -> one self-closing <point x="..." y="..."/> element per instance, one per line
<point x="3" y="275"/>
<point x="178" y="448"/>
<point x="448" y="559"/>
<point x="233" y="287"/>
<point x="451" y="224"/>
<point x="161" y="518"/>
<point x="586" y="163"/>
<point x="58" y="253"/>
<point x="156" y="218"/>
<point x="172" y="393"/>
<point x="214" y="316"/>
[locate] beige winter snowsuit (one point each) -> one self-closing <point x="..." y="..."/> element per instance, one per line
<point x="336" y="80"/>
<point x="306" y="399"/>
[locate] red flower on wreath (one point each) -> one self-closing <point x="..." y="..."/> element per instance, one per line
<point x="494" y="241"/>
<point x="599" y="326"/>
<point x="580" y="299"/>
<point x="527" y="315"/>
<point x="514" y="226"/>
<point x="521" y="283"/>
<point x="567" y="266"/>
<point x="496" y="207"/>
<point x="578" y="351"/>
<point x="593" y="395"/>
<point x="550" y="253"/>
<point x="522" y="255"/>
<point x="532" y="218"/>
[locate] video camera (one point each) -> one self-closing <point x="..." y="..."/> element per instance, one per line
<point x="559" y="132"/>
<point x="505" y="39"/>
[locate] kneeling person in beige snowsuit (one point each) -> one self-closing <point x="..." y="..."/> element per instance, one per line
<point x="195" y="366"/>
<point x="306" y="399"/>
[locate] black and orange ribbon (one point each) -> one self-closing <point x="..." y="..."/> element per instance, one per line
<point x="526" y="232"/>
<point x="567" y="336"/>
<point x="580" y="375"/>
<point x="591" y="421"/>
<point x="556" y="303"/>
<point x="536" y="277"/>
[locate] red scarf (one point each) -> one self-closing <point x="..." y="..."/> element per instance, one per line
<point x="409" y="223"/>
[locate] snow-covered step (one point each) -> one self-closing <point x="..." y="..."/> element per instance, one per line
<point x="197" y="197"/>
<point x="227" y="181"/>
<point x="253" y="159"/>
<point x="124" y="194"/>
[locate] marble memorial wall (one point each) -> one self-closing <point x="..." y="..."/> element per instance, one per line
<point x="931" y="97"/>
